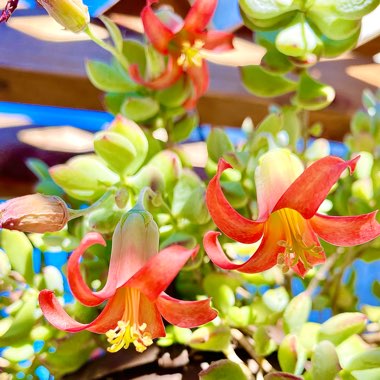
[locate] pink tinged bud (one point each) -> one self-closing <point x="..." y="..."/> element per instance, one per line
<point x="34" y="213"/>
<point x="71" y="14"/>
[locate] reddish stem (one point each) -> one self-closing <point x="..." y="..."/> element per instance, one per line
<point x="10" y="7"/>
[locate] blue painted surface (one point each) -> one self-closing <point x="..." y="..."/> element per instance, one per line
<point x="95" y="7"/>
<point x="42" y="373"/>
<point x="227" y="15"/>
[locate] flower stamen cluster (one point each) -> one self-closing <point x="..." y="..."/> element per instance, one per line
<point x="128" y="329"/>
<point x="191" y="54"/>
<point x="295" y="243"/>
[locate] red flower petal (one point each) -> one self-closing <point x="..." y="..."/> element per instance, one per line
<point x="77" y="284"/>
<point x="56" y="315"/>
<point x="200" y="15"/>
<point x="172" y="73"/>
<point x="229" y="221"/>
<point x="149" y="314"/>
<point x="310" y="189"/>
<point x="158" y="33"/>
<point x="160" y="270"/>
<point x="185" y="313"/>
<point x="346" y="230"/>
<point x="219" y="41"/>
<point x="199" y="77"/>
<point x="264" y="258"/>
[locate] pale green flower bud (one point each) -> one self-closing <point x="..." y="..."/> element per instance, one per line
<point x="72" y="14"/>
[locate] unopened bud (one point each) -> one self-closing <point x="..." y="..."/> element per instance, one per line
<point x="34" y="213"/>
<point x="72" y="14"/>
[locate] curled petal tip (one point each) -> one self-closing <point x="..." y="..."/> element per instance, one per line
<point x="352" y="163"/>
<point x="195" y="251"/>
<point x="223" y="165"/>
<point x="94" y="238"/>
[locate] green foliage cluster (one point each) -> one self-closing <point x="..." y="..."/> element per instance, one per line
<point x="296" y="35"/>
<point x="153" y="108"/>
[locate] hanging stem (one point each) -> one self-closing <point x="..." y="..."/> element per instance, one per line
<point x="304" y="119"/>
<point x="111" y="49"/>
<point x="78" y="213"/>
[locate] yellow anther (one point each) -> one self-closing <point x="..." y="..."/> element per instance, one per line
<point x="125" y="334"/>
<point x="295" y="246"/>
<point x="191" y="54"/>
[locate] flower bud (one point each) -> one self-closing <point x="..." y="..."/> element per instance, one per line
<point x="72" y="14"/>
<point x="34" y="213"/>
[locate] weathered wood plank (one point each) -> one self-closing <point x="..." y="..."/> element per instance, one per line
<point x="35" y="71"/>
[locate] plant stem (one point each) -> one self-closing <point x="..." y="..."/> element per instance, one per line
<point x="111" y="49"/>
<point x="78" y="213"/>
<point x="304" y="119"/>
<point x="231" y="355"/>
<point x="322" y="274"/>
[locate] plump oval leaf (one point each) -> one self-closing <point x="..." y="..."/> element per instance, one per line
<point x="325" y="361"/>
<point x="20" y="253"/>
<point x="108" y="78"/>
<point x="263" y="83"/>
<point x="140" y="109"/>
<point x="223" y="370"/>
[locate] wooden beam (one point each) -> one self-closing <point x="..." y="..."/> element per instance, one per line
<point x="35" y="71"/>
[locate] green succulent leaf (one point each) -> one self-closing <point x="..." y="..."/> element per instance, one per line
<point x="276" y="299"/>
<point x="175" y="95"/>
<point x="298" y="39"/>
<point x="140" y="109"/>
<point x="325" y="361"/>
<point x="183" y="128"/>
<point x="211" y="338"/>
<point x="267" y="9"/>
<point x="18" y="353"/>
<point x="108" y="78"/>
<point x="218" y="143"/>
<point x="263" y="83"/>
<point x="367" y="374"/>
<point x="134" y="51"/>
<point x="267" y="25"/>
<point x="84" y="177"/>
<point x="272" y="124"/>
<point x="135" y="135"/>
<point x="355" y="9"/>
<point x="264" y="345"/>
<point x="297" y="313"/>
<point x="313" y="95"/>
<point x="332" y="25"/>
<point x="365" y="360"/>
<point x="20" y="253"/>
<point x="276" y="62"/>
<point x="223" y="370"/>
<point x="115" y="149"/>
<point x="281" y="376"/>
<point x="350" y="348"/>
<point x="291" y="355"/>
<point x="65" y="359"/>
<point x="114" y="32"/>
<point x="189" y="198"/>
<point x="5" y="265"/>
<point x="333" y="48"/>
<point x="340" y="327"/>
<point x="22" y="322"/>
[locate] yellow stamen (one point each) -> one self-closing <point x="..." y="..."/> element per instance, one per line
<point x="295" y="246"/>
<point x="191" y="54"/>
<point x="129" y="330"/>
